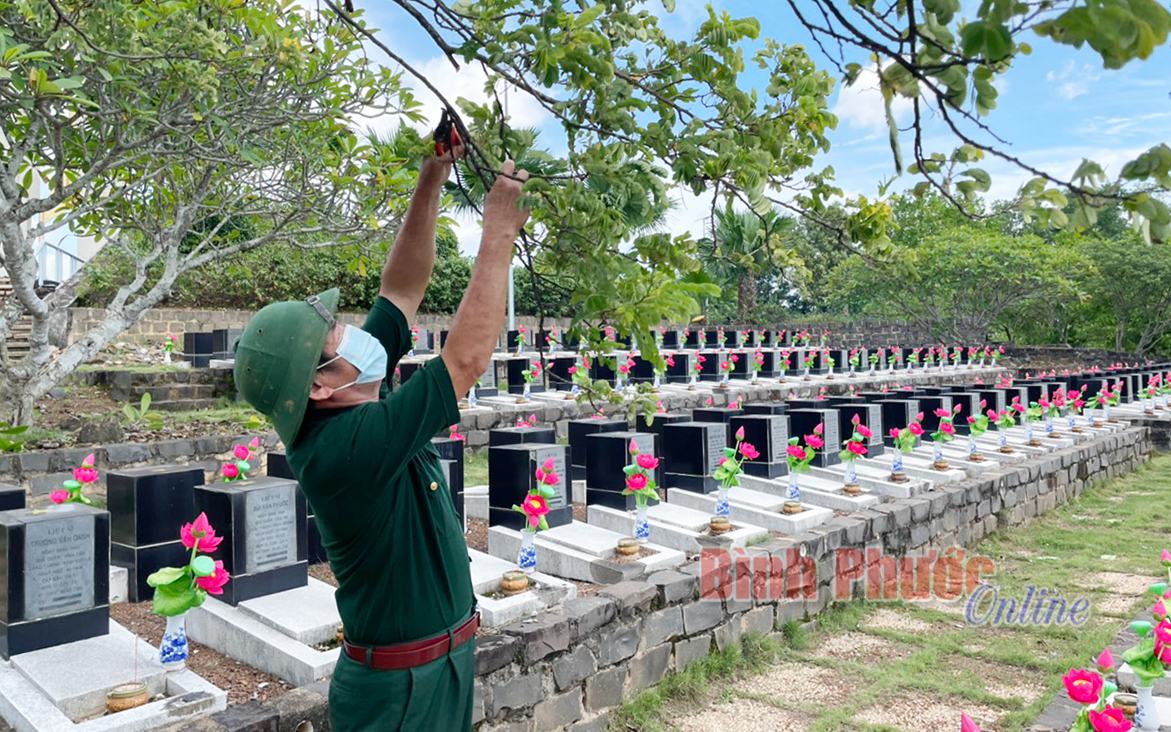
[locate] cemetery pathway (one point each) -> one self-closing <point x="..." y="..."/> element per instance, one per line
<point x="915" y="666"/>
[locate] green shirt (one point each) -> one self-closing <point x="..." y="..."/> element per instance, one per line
<point x="383" y="507"/>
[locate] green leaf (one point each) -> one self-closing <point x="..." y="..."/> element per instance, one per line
<point x="165" y="576"/>
<point x="175" y="598"/>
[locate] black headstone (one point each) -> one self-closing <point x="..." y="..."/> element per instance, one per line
<point x="407" y="369"/>
<point x="557" y="368"/>
<point x="264" y="525"/>
<point x="678" y="370"/>
<point x="691" y="453"/>
<point x="512" y="474"/>
<point x="518" y="435"/>
<point x="489" y="385"/>
<point x="147" y="508"/>
<point x="802" y="422"/>
<point x="54" y="576"/>
<point x="607" y="454"/>
<point x="693" y="339"/>
<point x="198" y="348"/>
<point x="515" y="367"/>
<point x="580" y="430"/>
<point x="928" y="404"/>
<point x="278" y="467"/>
<point x="453" y="473"/>
<point x="769" y="434"/>
<point x="223" y="342"/>
<point x="896" y="413"/>
<point x="969" y="404"/>
<point x="11" y="497"/>
<point x="671" y="340"/>
<point x="765" y="408"/>
<point x="715" y="414"/>
<point x="660" y="420"/>
<point x="870" y="416"/>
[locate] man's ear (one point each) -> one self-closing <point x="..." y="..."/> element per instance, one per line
<point x="319" y="392"/>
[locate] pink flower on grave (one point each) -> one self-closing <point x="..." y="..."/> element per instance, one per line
<point x="633" y="448"/>
<point x="59" y="496"/>
<point x="894" y="432"/>
<point x="87" y="473"/>
<point x="946" y="428"/>
<point x="993" y="415"/>
<point x="1083" y="686"/>
<point x="916" y="429"/>
<point x="241" y="452"/>
<point x="819" y="429"/>
<point x="255" y="443"/>
<point x="1159" y="610"/>
<point x="230" y="471"/>
<point x="214" y="584"/>
<point x="971" y="419"/>
<point x="199" y="535"/>
<point x="919" y="417"/>
<point x="709" y="401"/>
<point x="856" y="447"/>
<point x="636" y="482"/>
<point x="796" y="452"/>
<point x="572" y="370"/>
<point x="647" y="462"/>
<point x="864" y="431"/>
<point x="1109" y="719"/>
<point x="748" y="451"/>
<point x="740" y="434"/>
<point x="814" y="441"/>
<point x="1105" y="661"/>
<point x="967" y="725"/>
<point x="1165" y="558"/>
<point x="1163" y="633"/>
<point x="942" y="413"/>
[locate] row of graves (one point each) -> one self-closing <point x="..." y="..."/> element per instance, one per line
<point x="227" y="562"/>
<point x="520" y="373"/>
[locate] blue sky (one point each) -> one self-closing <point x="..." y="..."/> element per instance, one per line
<point x="1056" y="107"/>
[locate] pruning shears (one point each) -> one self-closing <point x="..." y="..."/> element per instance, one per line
<point x="446" y="136"/>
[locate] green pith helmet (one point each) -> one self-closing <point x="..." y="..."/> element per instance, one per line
<point x="277" y="357"/>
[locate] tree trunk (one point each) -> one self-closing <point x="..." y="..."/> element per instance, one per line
<point x="746" y="297"/>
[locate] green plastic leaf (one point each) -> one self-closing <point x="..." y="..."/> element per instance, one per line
<point x="166" y="576"/>
<point x="175" y="598"/>
<point x="203" y="566"/>
<point x="1141" y="628"/>
<point x="1159" y="588"/>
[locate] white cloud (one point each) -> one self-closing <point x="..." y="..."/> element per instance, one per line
<point x="1071" y="90"/>
<point x="1074" y="82"/>
<point x="861" y="105"/>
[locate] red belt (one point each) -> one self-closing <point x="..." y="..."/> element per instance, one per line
<point x="415" y="653"/>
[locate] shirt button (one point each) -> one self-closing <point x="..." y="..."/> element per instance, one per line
<point x="434" y="486"/>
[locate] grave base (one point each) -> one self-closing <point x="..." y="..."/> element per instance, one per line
<point x="814" y="491"/>
<point x="497" y="609"/>
<point x="247" y="586"/>
<point x="47" y="690"/>
<point x="874" y="476"/>
<point x="33" y="635"/>
<point x="239" y="634"/>
<point x="582" y="552"/>
<point x="677" y="527"/>
<point x="761" y="509"/>
<point x="307" y="614"/>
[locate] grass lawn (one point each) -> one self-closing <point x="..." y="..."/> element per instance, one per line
<point x="882" y="666"/>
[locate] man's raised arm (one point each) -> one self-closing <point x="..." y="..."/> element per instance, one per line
<point x="473" y="335"/>
<point x="409" y="264"/>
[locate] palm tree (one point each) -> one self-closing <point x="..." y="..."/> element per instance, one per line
<point x="742" y="247"/>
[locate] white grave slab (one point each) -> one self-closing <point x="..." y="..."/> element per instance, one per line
<point x="676" y="527"/>
<point x="815" y="491"/>
<point x="573" y="550"/>
<point x="498" y="610"/>
<point x="755" y="507"/>
<point x="307" y="614"/>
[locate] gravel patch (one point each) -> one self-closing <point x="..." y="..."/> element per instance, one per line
<point x="918" y="713"/>
<point x="742" y="715"/>
<point x="1120" y="583"/>
<point x="802" y="683"/>
<point x="999" y="680"/>
<point x="861" y="647"/>
<point x="900" y="621"/>
<point x="1115" y="605"/>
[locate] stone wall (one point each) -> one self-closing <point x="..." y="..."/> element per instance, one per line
<point x="569" y="669"/>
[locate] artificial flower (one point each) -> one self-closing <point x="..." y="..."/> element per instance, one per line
<point x="747" y="450"/>
<point x="241" y="452"/>
<point x="59" y="496"/>
<point x="230" y="471"/>
<point x="947" y="428"/>
<point x="636" y="482"/>
<point x="740" y="434"/>
<point x="856" y="447"/>
<point x="1083" y="686"/>
<point x="796" y="452"/>
<point x="814" y="441"/>
<point x="894" y="432"/>
<point x="87" y="473"/>
<point x="200" y="535"/>
<point x="967" y="725"/>
<point x="213" y="584"/>
<point x="915" y="428"/>
<point x="864" y="431"/>
<point x="534" y="508"/>
<point x="1105" y="661"/>
<point x="1109" y="719"/>
<point x="647" y="462"/>
<point x="1159" y="610"/>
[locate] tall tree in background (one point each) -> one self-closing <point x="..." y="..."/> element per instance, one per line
<point x="180" y="133"/>
<point x="744" y="246"/>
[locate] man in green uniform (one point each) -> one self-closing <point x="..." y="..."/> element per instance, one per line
<point x="363" y="457"/>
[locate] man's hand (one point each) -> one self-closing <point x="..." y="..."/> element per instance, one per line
<point x="436" y="169"/>
<point x="502" y="218"/>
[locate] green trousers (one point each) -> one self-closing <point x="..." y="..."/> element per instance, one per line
<point x="436" y="697"/>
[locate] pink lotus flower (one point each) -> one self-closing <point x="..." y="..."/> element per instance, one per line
<point x="942" y="413"/>
<point x="967" y="725"/>
<point x="748" y="451"/>
<point x="723" y="461"/>
<point x="919" y="417"/>
<point x="241" y="452"/>
<point x="946" y="428"/>
<point x="819" y="429"/>
<point x="916" y="429"/>
<point x="814" y="441"/>
<point x="255" y="443"/>
<point x="796" y="452"/>
<point x="1163" y="633"/>
<point x="1105" y="661"/>
<point x="87" y="473"/>
<point x="534" y="508"/>
<point x="1109" y="719"/>
<point x="709" y="401"/>
<point x="230" y="471"/>
<point x="865" y="431"/>
<point x="572" y="370"/>
<point x="894" y="432"/>
<point x="1163" y="653"/>
<point x="213" y="584"/>
<point x="1159" y="610"/>
<point x="740" y="434"/>
<point x="636" y="482"/>
<point x="1165" y="558"/>
<point x="59" y="496"/>
<point x="199" y="535"/>
<point x="633" y="448"/>
<point x="1084" y="687"/>
<point x="647" y="462"/>
<point x="856" y="447"/>
<point x="993" y="415"/>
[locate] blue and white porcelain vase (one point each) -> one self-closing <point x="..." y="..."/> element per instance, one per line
<point x="971" y="444"/>
<point x="472" y="398"/>
<point x="793" y="492"/>
<point x="1003" y="439"/>
<point x="723" y="508"/>
<point x="1146" y="715"/>
<point x="528" y="392"/>
<point x="173" y="649"/>
<point x="526" y="558"/>
<point x="937" y="451"/>
<point x="851" y="473"/>
<point x="896" y="463"/>
<point x="642" y="527"/>
<point x="1049" y="425"/>
<point x="658" y="382"/>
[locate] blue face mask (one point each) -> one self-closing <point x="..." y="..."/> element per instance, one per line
<point x="366" y="354"/>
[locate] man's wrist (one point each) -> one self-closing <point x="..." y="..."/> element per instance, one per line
<point x="433" y="172"/>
